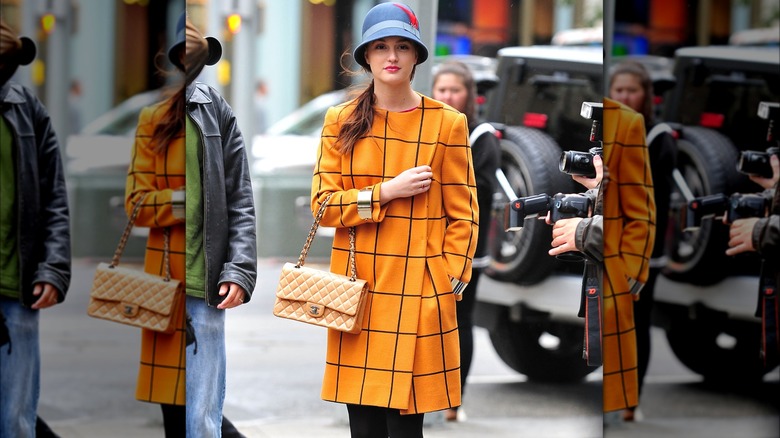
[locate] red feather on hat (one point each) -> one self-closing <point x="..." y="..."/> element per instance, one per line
<point x="412" y="18"/>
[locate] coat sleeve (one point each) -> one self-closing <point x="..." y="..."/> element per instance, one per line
<point x="156" y="209"/>
<point x="241" y="265"/>
<point x="589" y="237"/>
<point x="54" y="266"/>
<point x="766" y="236"/>
<point x="327" y="180"/>
<point x="459" y="194"/>
<point x="637" y="204"/>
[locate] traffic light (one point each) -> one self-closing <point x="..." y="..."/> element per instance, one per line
<point x="234" y="23"/>
<point x="48" y="21"/>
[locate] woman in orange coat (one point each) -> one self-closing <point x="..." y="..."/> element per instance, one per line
<point x="157" y="170"/>
<point x="211" y="223"/>
<point x="629" y="233"/>
<point x="399" y="167"/>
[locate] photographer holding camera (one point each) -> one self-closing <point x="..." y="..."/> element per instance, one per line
<point x="581" y="234"/>
<point x="759" y="234"/>
<point x="762" y="235"/>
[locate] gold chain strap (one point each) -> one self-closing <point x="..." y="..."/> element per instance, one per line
<point x="123" y="240"/>
<point x="126" y="234"/>
<point x="166" y="253"/>
<point x="313" y="231"/>
<point x="353" y="267"/>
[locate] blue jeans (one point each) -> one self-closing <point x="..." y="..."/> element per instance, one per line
<point x="20" y="367"/>
<point x="205" y="370"/>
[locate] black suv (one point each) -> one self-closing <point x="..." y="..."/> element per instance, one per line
<point x="529" y="301"/>
<point x="706" y="300"/>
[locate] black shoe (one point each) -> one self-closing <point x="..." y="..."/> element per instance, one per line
<point x="230" y="431"/>
<point x="42" y="429"/>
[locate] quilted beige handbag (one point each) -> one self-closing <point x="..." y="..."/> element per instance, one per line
<point x="320" y="297"/>
<point x="133" y="297"/>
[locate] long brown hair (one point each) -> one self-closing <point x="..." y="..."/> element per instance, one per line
<point x="171" y="124"/>
<point x="10" y="44"/>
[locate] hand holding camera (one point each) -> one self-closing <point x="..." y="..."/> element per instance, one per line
<point x="763" y="167"/>
<point x="587" y="168"/>
<point x="730" y="208"/>
<point x="553" y="208"/>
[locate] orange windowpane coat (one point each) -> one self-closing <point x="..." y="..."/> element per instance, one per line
<point x="407" y="356"/>
<point x="629" y="233"/>
<point x="161" y="376"/>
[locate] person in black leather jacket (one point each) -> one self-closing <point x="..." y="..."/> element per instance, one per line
<point x="454" y="85"/>
<point x="35" y="257"/>
<point x="229" y="243"/>
<point x="191" y="174"/>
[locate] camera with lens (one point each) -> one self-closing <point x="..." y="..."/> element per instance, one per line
<point x="579" y="163"/>
<point x="757" y="162"/>
<point x="736" y="206"/>
<point x="560" y="206"/>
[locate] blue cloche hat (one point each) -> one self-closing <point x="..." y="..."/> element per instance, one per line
<point x="386" y="20"/>
<point x="215" y="48"/>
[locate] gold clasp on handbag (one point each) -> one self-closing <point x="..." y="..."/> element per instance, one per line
<point x="129" y="310"/>
<point x="314" y="309"/>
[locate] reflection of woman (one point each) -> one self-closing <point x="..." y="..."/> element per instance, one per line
<point x="454" y="85"/>
<point x="629" y="232"/>
<point x="399" y="168"/>
<point x="630" y="85"/>
<point x="212" y="156"/>
<point x="34" y="236"/>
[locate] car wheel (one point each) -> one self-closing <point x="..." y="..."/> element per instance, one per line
<point x="706" y="161"/>
<point x="718" y="349"/>
<point x="543" y="351"/>
<point x="529" y="162"/>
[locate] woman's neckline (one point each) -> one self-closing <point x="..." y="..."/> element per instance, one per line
<point x="415" y="105"/>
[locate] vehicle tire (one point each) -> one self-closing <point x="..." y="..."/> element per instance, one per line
<point x="521" y="347"/>
<point x="695" y="344"/>
<point x="707" y="161"/>
<point x="529" y="160"/>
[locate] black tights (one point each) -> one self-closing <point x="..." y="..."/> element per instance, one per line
<point x="174" y="420"/>
<point x="643" y="320"/>
<point x="376" y="422"/>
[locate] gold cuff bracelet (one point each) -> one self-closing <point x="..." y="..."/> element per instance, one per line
<point x="364" y="203"/>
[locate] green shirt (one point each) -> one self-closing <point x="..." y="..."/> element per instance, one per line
<point x="9" y="251"/>
<point x="195" y="259"/>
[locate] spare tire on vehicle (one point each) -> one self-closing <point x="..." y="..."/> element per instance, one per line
<point x="529" y="162"/>
<point x="707" y="162"/>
